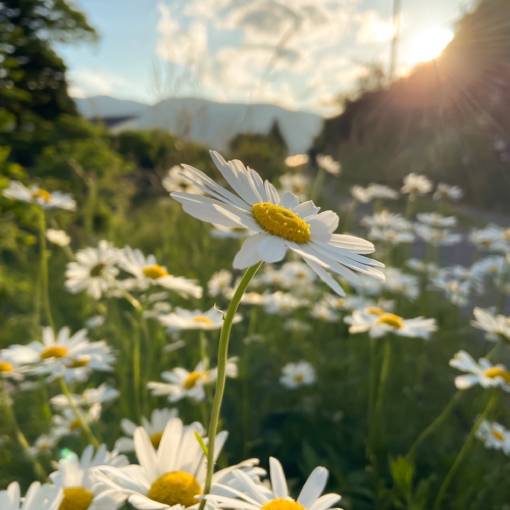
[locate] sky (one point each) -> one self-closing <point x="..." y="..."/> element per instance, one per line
<point x="301" y="54"/>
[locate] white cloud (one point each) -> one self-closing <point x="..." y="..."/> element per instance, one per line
<point x="373" y="28"/>
<point x="88" y="82"/>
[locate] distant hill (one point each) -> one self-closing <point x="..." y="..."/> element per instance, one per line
<point x="211" y="123"/>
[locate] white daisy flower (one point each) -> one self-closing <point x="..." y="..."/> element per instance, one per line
<point x="494" y="436"/>
<point x="421" y="266"/>
<point x="94" y="270"/>
<point x="154" y="426"/>
<point x="437" y="236"/>
<point x="43" y="445"/>
<point x="147" y="272"/>
<point x="386" y="220"/>
<point x="390" y="235"/>
<point x="58" y="237"/>
<point x="281" y="302"/>
<point x="496" y="326"/>
<point x="171" y="476"/>
<point x="295" y="160"/>
<point x="66" y="423"/>
<point x="324" y="312"/>
<point x="174" y="181"/>
<point x="91" y="398"/>
<point x="38" y="497"/>
<point x="494" y="266"/>
<point x="39" y="196"/>
<point x="296" y="274"/>
<point x="220" y="283"/>
<point x="492" y="237"/>
<point x="297" y="374"/>
<point x="437" y="220"/>
<point x="382" y="192"/>
<point x="224" y="232"/>
<point x="11" y="367"/>
<point x="181" y="383"/>
<point x="401" y="283"/>
<point x="277" y="224"/>
<point x="181" y="319"/>
<point x="483" y="373"/>
<point x="416" y="184"/>
<point x="297" y="326"/>
<point x="73" y="357"/>
<point x="251" y="496"/>
<point x="447" y="192"/>
<point x="328" y="164"/>
<point x="297" y="184"/>
<point x="95" y="321"/>
<point x="74" y="477"/>
<point x="378" y="323"/>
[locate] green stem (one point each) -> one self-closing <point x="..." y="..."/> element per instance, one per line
<point x="464" y="450"/>
<point x="372" y="393"/>
<point x="44" y="269"/>
<point x="317" y="184"/>
<point x="20" y="437"/>
<point x="77" y="413"/>
<point x="221" y="376"/>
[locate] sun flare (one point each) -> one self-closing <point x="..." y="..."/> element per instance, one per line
<point x="427" y="44"/>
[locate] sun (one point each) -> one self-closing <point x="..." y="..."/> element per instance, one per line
<point x="427" y="44"/>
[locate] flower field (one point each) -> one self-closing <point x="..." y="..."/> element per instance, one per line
<point x="169" y="358"/>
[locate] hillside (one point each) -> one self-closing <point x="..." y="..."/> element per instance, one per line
<point x="211" y="123"/>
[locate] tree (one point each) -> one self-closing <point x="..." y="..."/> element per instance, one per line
<point x="33" y="86"/>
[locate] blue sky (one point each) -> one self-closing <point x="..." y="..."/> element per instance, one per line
<point x="298" y="53"/>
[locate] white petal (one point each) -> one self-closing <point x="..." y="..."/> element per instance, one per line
<point x="313" y="487"/>
<point x="278" y="481"/>
<point x="272" y="248"/>
<point x="248" y="254"/>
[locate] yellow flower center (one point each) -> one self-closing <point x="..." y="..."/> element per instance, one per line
<point x="203" y="320"/>
<point x="42" y="195"/>
<point x="281" y="222"/>
<point x="494" y="372"/>
<point x="506" y="234"/>
<point x="5" y="367"/>
<point x="74" y="425"/>
<point x="392" y="320"/>
<point x="375" y="310"/>
<point x="497" y="435"/>
<point x="155" y="271"/>
<point x="76" y="498"/>
<point x="192" y="379"/>
<point x="299" y="378"/>
<point x="79" y="362"/>
<point x="175" y="488"/>
<point x="156" y="439"/>
<point x="55" y="351"/>
<point x="282" y="504"/>
<point x="97" y="270"/>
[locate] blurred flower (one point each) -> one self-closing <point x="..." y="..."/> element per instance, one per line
<point x="275" y="496"/>
<point x="447" y="192"/>
<point x="174" y="181"/>
<point x="58" y="237"/>
<point x="276" y="223"/>
<point x="297" y="374"/>
<point x="373" y="192"/>
<point x="38" y="497"/>
<point x="483" y="373"/>
<point x="66" y="423"/>
<point x="74" y="477"/>
<point x="220" y="283"/>
<point x="180" y="383"/>
<point x="328" y="164"/>
<point x="194" y="319"/>
<point x="95" y="321"/>
<point x="436" y="220"/>
<point x="324" y="312"/>
<point x="223" y="232"/>
<point x="492" y="237"/>
<point x="494" y="436"/>
<point x="437" y="236"/>
<point x="296" y="184"/>
<point x="39" y="196"/>
<point x="281" y="302"/>
<point x="377" y="323"/>
<point x="147" y="272"/>
<point x="94" y="270"/>
<point x="297" y="326"/>
<point x="91" y="400"/>
<point x="154" y="426"/>
<point x="43" y="445"/>
<point x="416" y="184"/>
<point x="296" y="160"/>
<point x="495" y="325"/>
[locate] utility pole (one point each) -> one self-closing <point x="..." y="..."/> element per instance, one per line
<point x="397" y="8"/>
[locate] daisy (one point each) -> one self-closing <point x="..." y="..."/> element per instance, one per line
<point x="416" y="184"/>
<point x="297" y="374"/>
<point x="281" y="302"/>
<point x="373" y="192"/>
<point x="378" y="323"/>
<point x="437" y="236"/>
<point x="154" y="426"/>
<point x="275" y="496"/>
<point x="297" y="184"/>
<point x="483" y="373"/>
<point x="147" y="272"/>
<point x="494" y="266"/>
<point x="447" y="192"/>
<point x="38" y="497"/>
<point x="223" y="232"/>
<point x="276" y="224"/>
<point x="296" y="274"/>
<point x="181" y="383"/>
<point x="170" y="476"/>
<point x="181" y="319"/>
<point x="67" y="424"/>
<point x="296" y="160"/>
<point x="220" y="283"/>
<point x="72" y="356"/>
<point x="10" y="368"/>
<point x="494" y="436"/>
<point x="328" y="164"/>
<point x="436" y="220"/>
<point x="74" y="477"/>
<point x="91" y="398"/>
<point x="57" y="237"/>
<point x="43" y="445"/>
<point x="492" y="237"/>
<point x="94" y="270"/>
<point x="402" y="283"/>
<point x="39" y="196"/>
<point x="495" y="325"/>
<point x="324" y="312"/>
<point x="174" y="181"/>
<point x="386" y="220"/>
<point x="297" y="326"/>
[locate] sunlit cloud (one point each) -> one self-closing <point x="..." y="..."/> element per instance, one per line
<point x="88" y="82"/>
